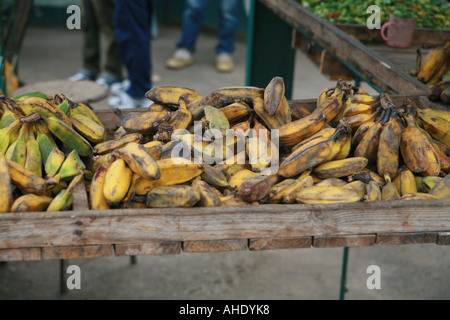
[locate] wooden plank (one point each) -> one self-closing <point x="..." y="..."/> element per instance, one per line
<point x="398" y="238"/>
<point x="280" y="243"/>
<point x="77" y="252"/>
<point x="80" y="199"/>
<point x="373" y="68"/>
<point x="334" y="68"/>
<point x="443" y="238"/>
<point x="124" y="226"/>
<point x="422" y="36"/>
<point x="215" y="245"/>
<point x="25" y="254"/>
<point x="356" y="240"/>
<point x="153" y="248"/>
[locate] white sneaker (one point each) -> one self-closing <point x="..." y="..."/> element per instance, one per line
<point x="181" y="59"/>
<point x="119" y="87"/>
<point x="224" y="62"/>
<point x="81" y="76"/>
<point x="125" y="101"/>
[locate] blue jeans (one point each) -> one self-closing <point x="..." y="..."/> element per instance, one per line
<point x="133" y="22"/>
<point x="227" y="28"/>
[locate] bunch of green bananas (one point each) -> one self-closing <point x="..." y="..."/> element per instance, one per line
<point x="43" y="140"/>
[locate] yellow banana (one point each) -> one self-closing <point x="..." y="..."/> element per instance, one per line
<point x="365" y="99"/>
<point x="354" y="108"/>
<point x="332" y="105"/>
<point x="33" y="160"/>
<point x="7" y="135"/>
<point x="407" y="181"/>
<point x="271" y="121"/>
<point x="236" y="111"/>
<point x="172" y="196"/>
<point x="433" y="62"/>
<point x="142" y="122"/>
<point x="45" y="108"/>
<point x="389" y="191"/>
<point x="213" y="176"/>
<point x="117" y="182"/>
<point x="83" y="109"/>
<point x="437" y="127"/>
<point x="419" y="196"/>
<point x="277" y="191"/>
<point x="337" y="182"/>
<point x="155" y="149"/>
<point x="31" y="203"/>
<point x="17" y="151"/>
<point x="260" y="149"/>
<point x="240" y="176"/>
<point x="304" y="181"/>
<point x="429" y="182"/>
<point x="6" y="192"/>
<point x="27" y="180"/>
<point x="389" y="147"/>
<point x="358" y="186"/>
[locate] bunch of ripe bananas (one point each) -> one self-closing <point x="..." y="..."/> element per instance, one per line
<point x="44" y="142"/>
<point x="353" y="147"/>
<point x="435" y="67"/>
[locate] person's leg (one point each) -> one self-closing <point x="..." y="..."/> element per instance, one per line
<point x="105" y="17"/>
<point x="227" y="30"/>
<point x="132" y="25"/>
<point x="192" y="21"/>
<point x="91" y="38"/>
<point x="228" y="24"/>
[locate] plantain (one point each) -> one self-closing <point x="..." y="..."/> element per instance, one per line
<point x="412" y="143"/>
<point x="332" y="105"/>
<point x="407" y="181"/>
<point x="45" y="140"/>
<point x="236" y="111"/>
<point x="271" y="121"/>
<point x="337" y="182"/>
<point x="389" y="191"/>
<point x="6" y="192"/>
<point x="67" y="135"/>
<point x="273" y="95"/>
<point x="173" y="171"/>
<point x="88" y="128"/>
<point x="54" y="162"/>
<point x="64" y="199"/>
<point x="45" y="108"/>
<point x="437" y="126"/>
<point x="84" y="109"/>
<point x="141" y="122"/>
<point x="117" y="182"/>
<point x="254" y="188"/>
<point x="294" y="132"/>
<point x="358" y="186"/>
<point x="419" y="196"/>
<point x="389" y="147"/>
<point x="33" y="160"/>
<point x="27" y="181"/>
<point x="140" y="161"/>
<point x="155" y="149"/>
<point x="213" y="176"/>
<point x="429" y="182"/>
<point x="10" y="113"/>
<point x="433" y="62"/>
<point x="277" y="191"/>
<point x="239" y="177"/>
<point x="71" y="167"/>
<point x="9" y="135"/>
<point x="304" y="181"/>
<point x="434" y="93"/>
<point x="373" y="192"/>
<point x="172" y="196"/>
<point x="17" y="151"/>
<point x="326" y="195"/>
<point x="31" y="203"/>
<point x="340" y="168"/>
<point x="170" y="95"/>
<point x="208" y="197"/>
<point x="312" y="154"/>
<point x="111" y="145"/>
<point x="260" y="150"/>
<point x="442" y="188"/>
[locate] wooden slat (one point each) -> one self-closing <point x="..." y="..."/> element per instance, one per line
<point x="215" y="245"/>
<point x="77" y="252"/>
<point x="373" y="68"/>
<point x="280" y="243"/>
<point x="396" y="238"/>
<point x="152" y="248"/>
<point x="360" y="240"/>
<point x="25" y="254"/>
<point x="443" y="238"/>
<point x="124" y="226"/>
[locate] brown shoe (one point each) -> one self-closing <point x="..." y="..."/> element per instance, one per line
<point x="224" y="62"/>
<point x="181" y="59"/>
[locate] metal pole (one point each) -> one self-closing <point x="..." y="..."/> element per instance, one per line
<point x="62" y="279"/>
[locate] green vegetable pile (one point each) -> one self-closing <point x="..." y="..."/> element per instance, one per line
<point x="428" y="13"/>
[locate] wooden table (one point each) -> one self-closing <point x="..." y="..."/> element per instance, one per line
<point x="279" y="27"/>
